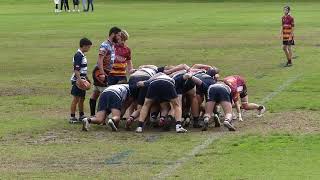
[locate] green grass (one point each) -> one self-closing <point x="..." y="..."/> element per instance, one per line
<point x="239" y="37"/>
<point x="276" y="156"/>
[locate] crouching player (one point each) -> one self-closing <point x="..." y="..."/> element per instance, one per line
<point x="115" y="100"/>
<point x="161" y="88"/>
<point x="219" y="93"/>
<point x="239" y="95"/>
<point x="80" y="72"/>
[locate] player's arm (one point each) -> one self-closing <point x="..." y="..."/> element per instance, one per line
<point x="77" y="67"/>
<point x="129" y="63"/>
<point x="196" y="80"/>
<point x="292" y="29"/>
<point x="281" y="30"/>
<point x="148" y="66"/>
<point x="237" y="104"/>
<point x="201" y="66"/>
<point x="147" y="82"/>
<point x="102" y="54"/>
<point x="176" y="68"/>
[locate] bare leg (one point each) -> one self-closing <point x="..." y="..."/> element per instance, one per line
<point x="227" y="109"/>
<point x="74" y="103"/>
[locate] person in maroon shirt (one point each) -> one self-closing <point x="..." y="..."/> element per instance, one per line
<point x="286" y="34"/>
<point x="239" y="94"/>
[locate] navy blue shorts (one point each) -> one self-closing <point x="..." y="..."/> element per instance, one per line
<point x="183" y="86"/>
<point x="109" y="100"/>
<point x="288" y="43"/>
<point x="203" y="88"/>
<point x="162" y="91"/>
<point x="75" y="91"/>
<point x="75" y="2"/>
<point x="217" y="93"/>
<point x="134" y="90"/>
<point x="112" y="80"/>
<point x="142" y="95"/>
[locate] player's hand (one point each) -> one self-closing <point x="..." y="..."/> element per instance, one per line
<point x="102" y="77"/>
<point x="140" y="83"/>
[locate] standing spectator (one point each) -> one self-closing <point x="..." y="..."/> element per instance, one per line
<point x="65" y="3"/>
<point x="90" y="2"/>
<point x="84" y="2"/>
<point x="56" y="2"/>
<point x="76" y="4"/>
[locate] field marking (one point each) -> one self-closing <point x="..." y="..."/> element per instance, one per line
<point x="196" y="150"/>
<point x="280" y="88"/>
<point x="214" y="136"/>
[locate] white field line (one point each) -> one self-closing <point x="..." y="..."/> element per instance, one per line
<point x="169" y="170"/>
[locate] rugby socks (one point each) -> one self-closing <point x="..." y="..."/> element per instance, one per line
<point x="154" y="115"/>
<point x="195" y="119"/>
<point x="178" y="123"/>
<point x="140" y="124"/>
<point x="81" y="114"/>
<point x="260" y="107"/>
<point x="92" y="104"/>
<point x="72" y="115"/>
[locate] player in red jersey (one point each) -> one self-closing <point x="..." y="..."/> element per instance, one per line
<point x="122" y="63"/>
<point x="287" y="35"/>
<point x="239" y="93"/>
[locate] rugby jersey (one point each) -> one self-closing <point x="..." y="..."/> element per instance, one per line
<point x="79" y="64"/>
<point x="159" y="77"/>
<point x="287" y="25"/>
<point x="121" y="90"/>
<point x="107" y="50"/>
<point x="150" y="71"/>
<point x="206" y="82"/>
<point x="236" y="83"/>
<point x="123" y="55"/>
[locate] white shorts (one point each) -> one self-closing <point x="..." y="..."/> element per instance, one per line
<point x="56" y="1"/>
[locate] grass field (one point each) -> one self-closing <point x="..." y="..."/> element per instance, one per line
<point x="239" y="37"/>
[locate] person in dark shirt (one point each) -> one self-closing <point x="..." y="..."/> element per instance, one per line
<point x="80" y="72"/>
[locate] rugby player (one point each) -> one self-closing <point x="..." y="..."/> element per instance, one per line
<point x="103" y="67"/>
<point x="115" y="100"/>
<point x="287" y="35"/>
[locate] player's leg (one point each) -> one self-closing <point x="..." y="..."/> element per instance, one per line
<point x="99" y="118"/>
<point x="195" y="109"/>
<point x="290" y="54"/>
<point x="93" y="100"/>
<point x="114" y="121"/>
<point x="81" y="108"/>
<point x="227" y="109"/>
<point x="73" y="109"/>
<point x="177" y="114"/>
<point x="208" y="112"/>
<point x="143" y="114"/>
<point x="252" y="106"/>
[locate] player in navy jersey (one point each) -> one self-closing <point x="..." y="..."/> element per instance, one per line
<point x="113" y="100"/>
<point x="161" y="88"/>
<point x="80" y="72"/>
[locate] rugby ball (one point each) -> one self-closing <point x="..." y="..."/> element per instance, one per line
<point x="85" y="85"/>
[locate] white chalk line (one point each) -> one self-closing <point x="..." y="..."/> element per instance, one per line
<point x="169" y="170"/>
